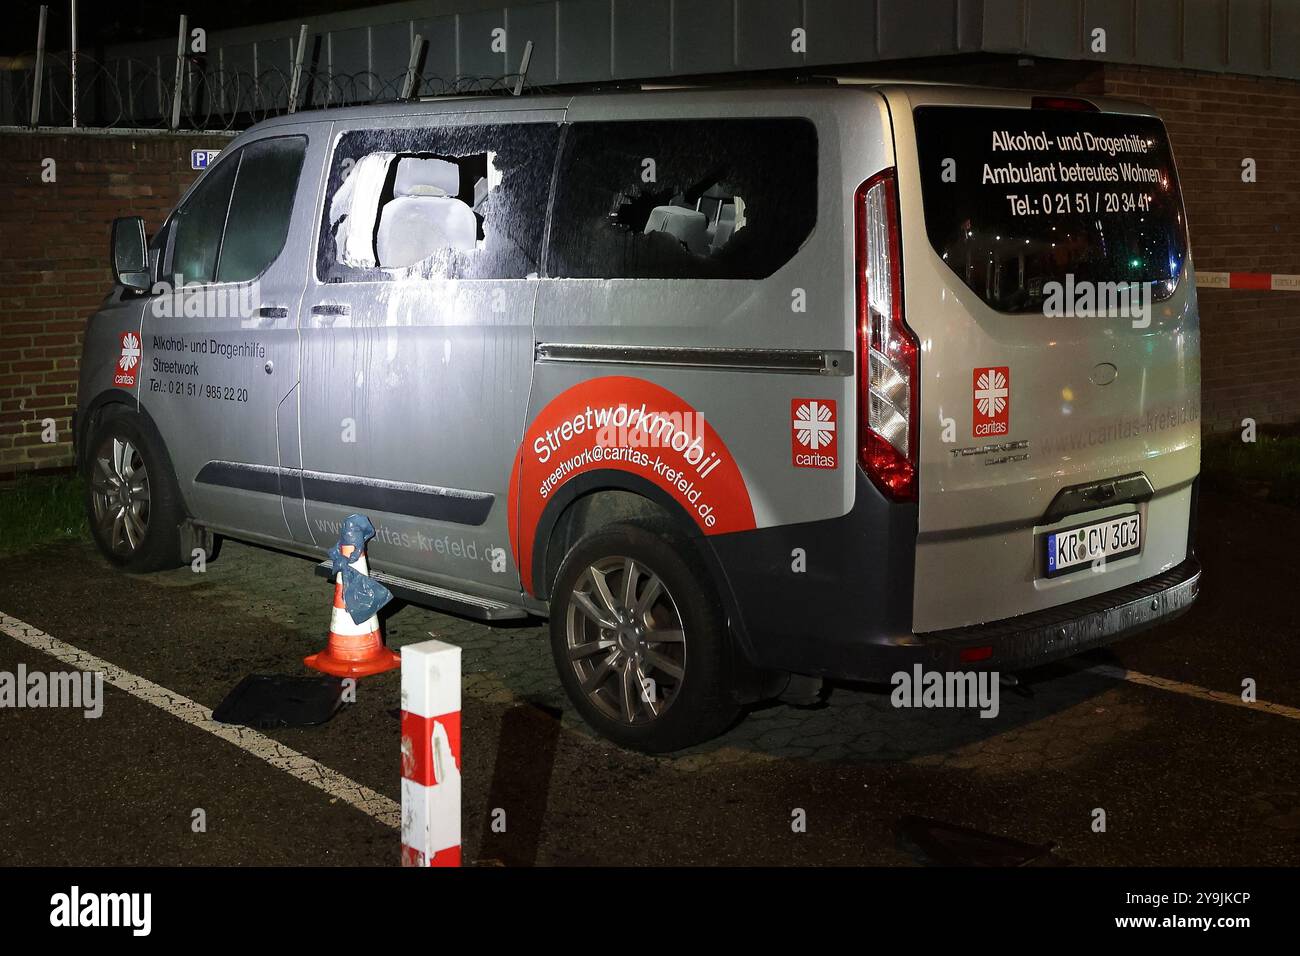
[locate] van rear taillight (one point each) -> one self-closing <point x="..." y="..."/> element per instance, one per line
<point x="888" y="379"/>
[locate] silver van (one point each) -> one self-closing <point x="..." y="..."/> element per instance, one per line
<point x="743" y="389"/>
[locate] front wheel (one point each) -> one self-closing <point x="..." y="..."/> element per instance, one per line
<point x="640" y="641"/>
<point x="131" y="501"/>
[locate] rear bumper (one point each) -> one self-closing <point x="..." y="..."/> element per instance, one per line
<point x="815" y="623"/>
<point x="1028" y="640"/>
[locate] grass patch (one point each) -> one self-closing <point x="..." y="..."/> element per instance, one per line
<point x="1268" y="467"/>
<point x="36" y="510"/>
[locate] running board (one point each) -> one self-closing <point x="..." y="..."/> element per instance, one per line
<point x="440" y="599"/>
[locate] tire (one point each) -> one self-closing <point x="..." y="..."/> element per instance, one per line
<point x="132" y="503"/>
<point x="690" y="698"/>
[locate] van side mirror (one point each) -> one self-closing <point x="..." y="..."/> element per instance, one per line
<point x="129" y="253"/>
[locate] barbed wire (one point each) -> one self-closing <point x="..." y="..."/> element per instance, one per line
<point x="139" y="94"/>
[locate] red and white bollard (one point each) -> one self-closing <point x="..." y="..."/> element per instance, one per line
<point x="430" y="754"/>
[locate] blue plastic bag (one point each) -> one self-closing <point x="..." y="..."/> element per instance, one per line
<point x="362" y="595"/>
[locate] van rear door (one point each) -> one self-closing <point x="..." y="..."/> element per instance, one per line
<point x="1048" y="280"/>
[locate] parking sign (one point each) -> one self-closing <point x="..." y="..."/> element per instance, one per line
<point x="200" y="158"/>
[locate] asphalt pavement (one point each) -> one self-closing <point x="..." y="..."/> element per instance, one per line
<point x="1183" y="777"/>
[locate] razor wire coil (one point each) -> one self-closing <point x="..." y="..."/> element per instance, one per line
<point x="140" y="94"/>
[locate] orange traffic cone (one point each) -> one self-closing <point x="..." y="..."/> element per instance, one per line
<point x="355" y="650"/>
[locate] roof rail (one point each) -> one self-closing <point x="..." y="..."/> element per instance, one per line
<point x="879" y="80"/>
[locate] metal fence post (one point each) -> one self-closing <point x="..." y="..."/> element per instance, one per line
<point x="130" y="90"/>
<point x="40" y="66"/>
<point x="180" y="75"/>
<point x="523" y="68"/>
<point x="297" y="69"/>
<point x="417" y="50"/>
<point x="72" y="64"/>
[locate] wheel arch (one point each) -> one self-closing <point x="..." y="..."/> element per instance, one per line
<point x="90" y="416"/>
<point x="598" y="498"/>
<point x="107" y="402"/>
<point x="588" y="502"/>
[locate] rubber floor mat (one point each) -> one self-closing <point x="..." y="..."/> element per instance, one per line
<point x="267" y="701"/>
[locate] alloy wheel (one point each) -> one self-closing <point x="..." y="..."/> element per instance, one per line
<point x="625" y="640"/>
<point x="119" y="484"/>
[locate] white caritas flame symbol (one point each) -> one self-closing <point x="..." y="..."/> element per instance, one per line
<point x="813" y="426"/>
<point x="130" y="352"/>
<point x="991" y="393"/>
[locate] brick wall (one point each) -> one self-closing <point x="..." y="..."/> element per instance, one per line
<point x="54" y="264"/>
<point x="1250" y="341"/>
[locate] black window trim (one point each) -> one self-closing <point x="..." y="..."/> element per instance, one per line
<point x="544" y="266"/>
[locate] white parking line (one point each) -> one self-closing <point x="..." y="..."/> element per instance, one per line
<point x="1192" y="690"/>
<point x="383" y="809"/>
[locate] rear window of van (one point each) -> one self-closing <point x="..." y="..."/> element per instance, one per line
<point x="1017" y="199"/>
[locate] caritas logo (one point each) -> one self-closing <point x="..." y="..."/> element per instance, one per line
<point x="814" y="442"/>
<point x="128" y="361"/>
<point x="992" y="411"/>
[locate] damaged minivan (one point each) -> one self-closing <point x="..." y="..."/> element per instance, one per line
<point x="743" y="389"/>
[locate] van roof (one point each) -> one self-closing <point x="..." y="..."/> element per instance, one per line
<point x="915" y="91"/>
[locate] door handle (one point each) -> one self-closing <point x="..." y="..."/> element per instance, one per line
<point x="268" y="314"/>
<point x="329" y="312"/>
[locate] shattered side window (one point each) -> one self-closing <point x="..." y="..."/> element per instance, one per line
<point x="683" y="199"/>
<point x="461" y="202"/>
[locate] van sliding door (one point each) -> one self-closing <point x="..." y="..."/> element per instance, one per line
<point x="417" y="337"/>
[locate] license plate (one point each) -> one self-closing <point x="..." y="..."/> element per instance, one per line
<point x="1079" y="547"/>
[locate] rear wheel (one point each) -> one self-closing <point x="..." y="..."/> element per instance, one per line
<point x="131" y="500"/>
<point x="639" y="640"/>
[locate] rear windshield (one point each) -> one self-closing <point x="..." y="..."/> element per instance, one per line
<point x="1017" y="199"/>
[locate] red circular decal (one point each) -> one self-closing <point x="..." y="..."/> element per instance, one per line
<point x="625" y="424"/>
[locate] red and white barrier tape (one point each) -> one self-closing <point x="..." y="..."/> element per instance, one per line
<point x="430" y="754"/>
<point x="1254" y="281"/>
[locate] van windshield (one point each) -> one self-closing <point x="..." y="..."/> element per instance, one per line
<point x="1018" y="199"/>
